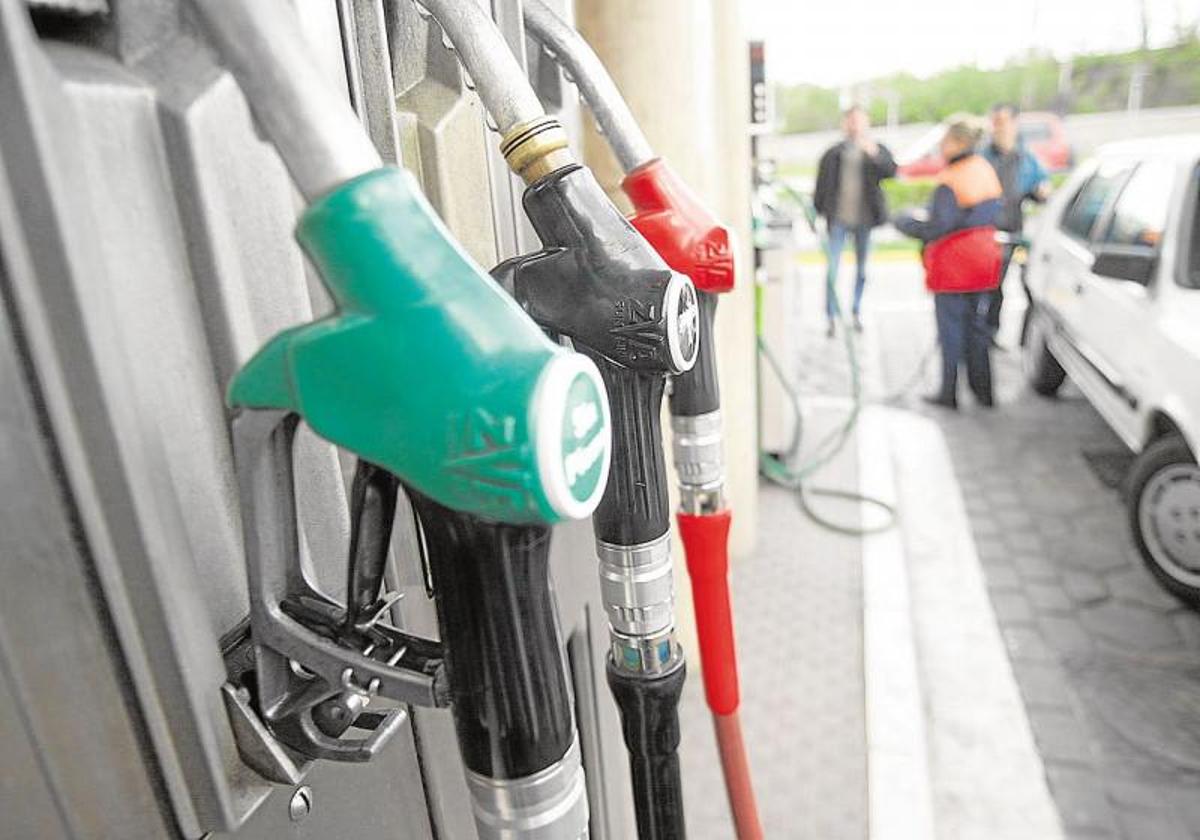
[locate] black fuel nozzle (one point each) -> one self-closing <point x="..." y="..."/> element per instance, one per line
<point x="599" y="282"/>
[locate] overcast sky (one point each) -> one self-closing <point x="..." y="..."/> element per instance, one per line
<point x="839" y="42"/>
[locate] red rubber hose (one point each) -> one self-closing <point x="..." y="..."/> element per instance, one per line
<point x="705" y="544"/>
<point x="736" y="769"/>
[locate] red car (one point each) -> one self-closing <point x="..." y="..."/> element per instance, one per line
<point x="1041" y="132"/>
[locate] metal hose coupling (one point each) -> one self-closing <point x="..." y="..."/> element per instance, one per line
<point x="699" y="461"/>
<point x="535" y="148"/>
<point x="637" y="585"/>
<point x="549" y="805"/>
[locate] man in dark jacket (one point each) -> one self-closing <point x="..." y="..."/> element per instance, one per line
<point x="848" y="195"/>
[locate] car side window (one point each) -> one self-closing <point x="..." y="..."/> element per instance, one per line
<point x="1092" y="198"/>
<point x="1190" y="278"/>
<point x="1140" y="215"/>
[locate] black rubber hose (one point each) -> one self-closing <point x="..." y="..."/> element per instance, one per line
<point x="504" y="661"/>
<point x="650" y="724"/>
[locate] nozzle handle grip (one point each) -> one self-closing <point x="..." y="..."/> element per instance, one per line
<point x="504" y="659"/>
<point x="650" y="723"/>
<point x="705" y="544"/>
<point x="696" y="391"/>
<point x="635" y="507"/>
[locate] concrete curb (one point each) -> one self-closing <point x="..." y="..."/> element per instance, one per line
<point x="900" y="801"/>
<point x="985" y="777"/>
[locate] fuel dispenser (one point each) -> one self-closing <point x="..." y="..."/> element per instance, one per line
<point x="693" y="242"/>
<point x="598" y="282"/>
<point x="440" y="383"/>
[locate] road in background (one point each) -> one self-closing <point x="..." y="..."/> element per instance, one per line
<point x="1085" y="132"/>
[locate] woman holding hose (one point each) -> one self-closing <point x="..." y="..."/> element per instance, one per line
<point x="962" y="259"/>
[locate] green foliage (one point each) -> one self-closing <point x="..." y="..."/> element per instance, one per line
<point x="904" y="194"/>
<point x="1098" y="82"/>
<point x="806" y="107"/>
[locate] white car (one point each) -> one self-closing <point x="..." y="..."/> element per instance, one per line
<point x="1114" y="274"/>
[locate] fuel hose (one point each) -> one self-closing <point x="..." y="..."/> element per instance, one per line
<point x="693" y="242"/>
<point x="598" y="282"/>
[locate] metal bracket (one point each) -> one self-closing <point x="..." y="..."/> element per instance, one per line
<point x="314" y="672"/>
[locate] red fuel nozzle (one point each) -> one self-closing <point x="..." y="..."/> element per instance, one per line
<point x="683" y="231"/>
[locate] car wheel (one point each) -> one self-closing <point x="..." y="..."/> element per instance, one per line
<point x="1164" y="514"/>
<point x="1042" y="371"/>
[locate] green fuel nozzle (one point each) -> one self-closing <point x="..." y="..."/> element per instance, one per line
<point x="429" y="370"/>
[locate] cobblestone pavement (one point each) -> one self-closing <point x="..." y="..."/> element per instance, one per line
<point x="1106" y="661"/>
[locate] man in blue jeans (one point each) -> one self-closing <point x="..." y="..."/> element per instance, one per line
<point x="850" y="198"/>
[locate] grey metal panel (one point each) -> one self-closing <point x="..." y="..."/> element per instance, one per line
<point x="122" y="339"/>
<point x="68" y="749"/>
<point x="441" y="129"/>
<point x="383" y="799"/>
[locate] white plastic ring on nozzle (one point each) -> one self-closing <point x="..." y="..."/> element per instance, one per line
<point x="572" y="429"/>
<point x="683" y="322"/>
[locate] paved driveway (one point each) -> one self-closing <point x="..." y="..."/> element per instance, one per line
<point x="1108" y="664"/>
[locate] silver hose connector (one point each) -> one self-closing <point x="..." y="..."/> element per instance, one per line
<point x="549" y="805"/>
<point x="637" y="585"/>
<point x="312" y="126"/>
<point x="696" y="443"/>
<point x="583" y="67"/>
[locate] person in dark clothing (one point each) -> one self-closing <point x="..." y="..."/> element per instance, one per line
<point x="1023" y="179"/>
<point x="962" y="260"/>
<point x="848" y="195"/>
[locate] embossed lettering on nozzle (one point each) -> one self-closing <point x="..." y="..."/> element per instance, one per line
<point x="699" y="461"/>
<point x="549" y="805"/>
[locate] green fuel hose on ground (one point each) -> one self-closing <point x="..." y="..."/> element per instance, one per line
<point x="782" y="469"/>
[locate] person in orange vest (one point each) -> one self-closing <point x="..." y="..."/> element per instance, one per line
<point x="962" y="259"/>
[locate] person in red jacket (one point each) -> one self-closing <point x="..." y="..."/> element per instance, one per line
<point x="962" y="259"/>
